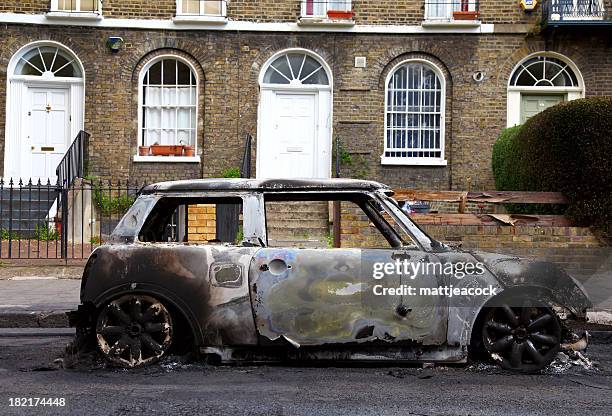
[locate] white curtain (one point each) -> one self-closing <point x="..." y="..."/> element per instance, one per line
<point x="169" y="115"/>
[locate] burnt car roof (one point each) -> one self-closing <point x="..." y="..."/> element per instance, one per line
<point x="267" y="185"/>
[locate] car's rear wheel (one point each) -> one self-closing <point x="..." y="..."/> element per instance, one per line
<point x="524" y="339"/>
<point x="134" y="330"/>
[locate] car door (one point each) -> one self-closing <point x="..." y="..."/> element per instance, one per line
<point x="316" y="296"/>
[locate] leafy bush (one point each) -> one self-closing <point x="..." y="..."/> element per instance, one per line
<point x="44" y="232"/>
<point x="566" y="148"/>
<point x="504" y="160"/>
<point x="4" y="235"/>
<point x="233" y="172"/>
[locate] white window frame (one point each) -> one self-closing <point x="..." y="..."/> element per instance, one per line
<point x="143" y="72"/>
<point x="56" y="12"/>
<point x="449" y="6"/>
<point x="417" y="161"/>
<point x="179" y="9"/>
<point x="321" y="7"/>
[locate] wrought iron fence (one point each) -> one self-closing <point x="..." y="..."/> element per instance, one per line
<point x="48" y="221"/>
<point x="575" y="10"/>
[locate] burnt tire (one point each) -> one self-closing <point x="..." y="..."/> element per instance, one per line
<point x="522" y="339"/>
<point x="134" y="331"/>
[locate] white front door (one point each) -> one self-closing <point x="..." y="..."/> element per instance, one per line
<point x="47" y="131"/>
<point x="289" y="136"/>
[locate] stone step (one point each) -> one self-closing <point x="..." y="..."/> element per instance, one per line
<point x="297" y="215"/>
<point x="303" y="232"/>
<point x="297" y="223"/>
<point x="313" y="243"/>
<point x="294" y="207"/>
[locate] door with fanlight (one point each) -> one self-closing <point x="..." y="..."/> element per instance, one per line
<point x="47" y="131"/>
<point x="295" y="112"/>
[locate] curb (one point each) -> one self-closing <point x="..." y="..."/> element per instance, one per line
<point x="51" y="319"/>
<point x="36" y="332"/>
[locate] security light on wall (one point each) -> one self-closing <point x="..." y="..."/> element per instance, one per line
<point x="114" y="43"/>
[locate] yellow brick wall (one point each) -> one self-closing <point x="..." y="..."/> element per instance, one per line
<point x="202" y="222"/>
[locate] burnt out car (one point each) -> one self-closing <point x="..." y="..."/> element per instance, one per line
<point x="246" y="270"/>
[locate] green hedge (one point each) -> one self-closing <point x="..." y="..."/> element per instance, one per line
<point x="567" y="148"/>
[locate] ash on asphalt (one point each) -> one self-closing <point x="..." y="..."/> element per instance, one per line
<point x="180" y="386"/>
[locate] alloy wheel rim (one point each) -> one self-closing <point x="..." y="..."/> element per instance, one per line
<point x="522" y="338"/>
<point x="134" y="330"/>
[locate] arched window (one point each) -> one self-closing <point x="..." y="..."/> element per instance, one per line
<point x="48" y="62"/>
<point x="414" y="115"/>
<point x="544" y="71"/>
<point x="168" y="100"/>
<point x="540" y="81"/>
<point x="296" y="69"/>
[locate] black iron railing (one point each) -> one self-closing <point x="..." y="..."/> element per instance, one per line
<point x="44" y="221"/>
<point x="75" y="162"/>
<point x="245" y="165"/>
<point x="576" y="12"/>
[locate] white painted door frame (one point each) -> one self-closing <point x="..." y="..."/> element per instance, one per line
<point x="323" y="141"/>
<point x="16" y="105"/>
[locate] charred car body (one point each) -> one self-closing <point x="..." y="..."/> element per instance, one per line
<point x="150" y="290"/>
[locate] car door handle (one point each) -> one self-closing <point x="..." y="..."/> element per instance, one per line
<point x="400" y="255"/>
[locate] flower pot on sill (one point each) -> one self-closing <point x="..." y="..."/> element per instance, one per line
<point x="143" y="150"/>
<point x="166" y="150"/>
<point x="465" y="15"/>
<point x="188" y="151"/>
<point x="339" y="14"/>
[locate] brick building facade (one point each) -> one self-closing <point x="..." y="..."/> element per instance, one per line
<point x="227" y="69"/>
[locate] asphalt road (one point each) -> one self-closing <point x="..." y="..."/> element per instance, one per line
<point x="180" y="388"/>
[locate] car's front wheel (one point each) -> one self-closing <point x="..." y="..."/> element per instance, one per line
<point x="134" y="330"/>
<point x="524" y="339"/>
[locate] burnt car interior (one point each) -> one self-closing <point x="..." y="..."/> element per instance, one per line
<point x="172" y="218"/>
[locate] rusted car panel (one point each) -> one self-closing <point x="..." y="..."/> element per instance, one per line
<point x="298" y="297"/>
<point x="208" y="283"/>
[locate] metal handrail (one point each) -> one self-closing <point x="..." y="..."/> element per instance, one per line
<point x="245" y="165"/>
<point x="75" y="161"/>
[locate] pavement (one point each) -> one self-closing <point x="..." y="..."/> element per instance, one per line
<point x="37" y="301"/>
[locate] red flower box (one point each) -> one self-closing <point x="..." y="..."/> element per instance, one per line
<point x="166" y="150"/>
<point x="465" y="15"/>
<point x="339" y="14"/>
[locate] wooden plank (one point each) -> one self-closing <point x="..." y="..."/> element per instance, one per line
<point x="521" y="197"/>
<point x="493" y="197"/>
<point x="416" y="195"/>
<point x="485" y="219"/>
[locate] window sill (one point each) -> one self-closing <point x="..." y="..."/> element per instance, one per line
<point x="167" y="159"/>
<point x="325" y="21"/>
<point x="74" y="15"/>
<point x="434" y="23"/>
<point x="218" y="20"/>
<point x="412" y="161"/>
